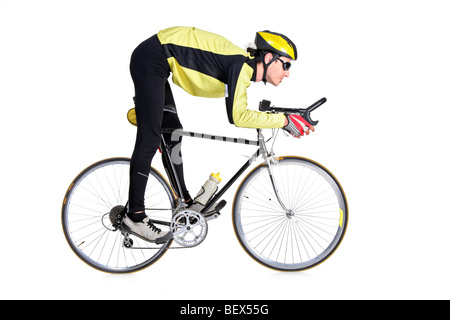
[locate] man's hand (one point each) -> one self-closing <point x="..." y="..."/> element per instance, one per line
<point x="297" y="126"/>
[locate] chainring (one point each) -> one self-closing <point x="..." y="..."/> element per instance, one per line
<point x="189" y="228"/>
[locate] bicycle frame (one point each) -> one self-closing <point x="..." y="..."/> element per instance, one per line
<point x="262" y="150"/>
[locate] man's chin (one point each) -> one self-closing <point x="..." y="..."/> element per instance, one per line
<point x="275" y="84"/>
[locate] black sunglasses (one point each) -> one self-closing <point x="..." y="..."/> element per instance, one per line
<point x="286" y="65"/>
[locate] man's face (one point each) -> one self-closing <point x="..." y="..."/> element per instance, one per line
<point x="275" y="71"/>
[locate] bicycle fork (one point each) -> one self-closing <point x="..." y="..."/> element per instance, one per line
<point x="268" y="158"/>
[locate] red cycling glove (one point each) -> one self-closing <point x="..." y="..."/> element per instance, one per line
<point x="297" y="125"/>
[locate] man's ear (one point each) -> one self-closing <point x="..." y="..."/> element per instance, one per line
<point x="268" y="57"/>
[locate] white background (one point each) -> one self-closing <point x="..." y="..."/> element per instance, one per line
<point x="384" y="67"/>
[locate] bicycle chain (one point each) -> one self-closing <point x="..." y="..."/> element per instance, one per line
<point x="156" y="248"/>
<point x="153" y="248"/>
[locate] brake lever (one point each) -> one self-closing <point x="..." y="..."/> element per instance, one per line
<point x="307" y="116"/>
<point x="306" y="113"/>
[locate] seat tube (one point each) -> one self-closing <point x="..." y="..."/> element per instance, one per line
<point x="172" y="169"/>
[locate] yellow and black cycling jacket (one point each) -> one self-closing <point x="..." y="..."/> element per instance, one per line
<point x="207" y="65"/>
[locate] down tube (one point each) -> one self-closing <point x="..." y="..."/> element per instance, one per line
<point x="229" y="183"/>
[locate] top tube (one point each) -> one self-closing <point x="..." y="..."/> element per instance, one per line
<point x="176" y="134"/>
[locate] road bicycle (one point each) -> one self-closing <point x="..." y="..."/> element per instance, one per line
<point x="289" y="213"/>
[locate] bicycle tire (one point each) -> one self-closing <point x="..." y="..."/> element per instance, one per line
<point x="312" y="231"/>
<point x="91" y="204"/>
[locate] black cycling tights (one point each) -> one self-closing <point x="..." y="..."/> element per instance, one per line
<point x="150" y="70"/>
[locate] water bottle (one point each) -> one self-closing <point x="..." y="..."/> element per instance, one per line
<point x="208" y="189"/>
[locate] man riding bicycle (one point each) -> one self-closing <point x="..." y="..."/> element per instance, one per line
<point x="206" y="65"/>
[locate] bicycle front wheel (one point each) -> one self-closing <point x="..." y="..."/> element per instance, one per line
<point x="308" y="233"/>
<point x="92" y="207"/>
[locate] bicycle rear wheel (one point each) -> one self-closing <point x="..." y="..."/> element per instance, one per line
<point x="94" y="204"/>
<point x="302" y="238"/>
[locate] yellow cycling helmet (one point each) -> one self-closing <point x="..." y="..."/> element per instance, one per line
<point x="276" y="42"/>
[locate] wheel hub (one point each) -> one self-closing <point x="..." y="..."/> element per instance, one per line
<point x="115" y="215"/>
<point x="290" y="214"/>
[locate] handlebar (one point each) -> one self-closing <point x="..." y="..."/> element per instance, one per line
<point x="305" y="113"/>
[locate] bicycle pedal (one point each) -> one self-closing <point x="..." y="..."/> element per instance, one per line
<point x="216" y="209"/>
<point x="215" y="214"/>
<point x="220" y="206"/>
